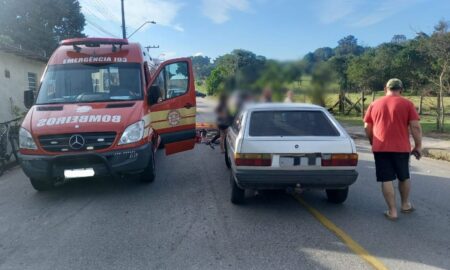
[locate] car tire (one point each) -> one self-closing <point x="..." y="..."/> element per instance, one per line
<point x="337" y="195"/>
<point x="227" y="158"/>
<point x="2" y="166"/>
<point x="149" y="173"/>
<point x="41" y="184"/>
<point x="237" y="193"/>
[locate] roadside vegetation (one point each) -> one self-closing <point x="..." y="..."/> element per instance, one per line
<point x="347" y="77"/>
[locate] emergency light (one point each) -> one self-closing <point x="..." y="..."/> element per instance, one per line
<point x="93" y="42"/>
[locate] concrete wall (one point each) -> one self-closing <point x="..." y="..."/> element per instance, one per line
<point x="11" y="89"/>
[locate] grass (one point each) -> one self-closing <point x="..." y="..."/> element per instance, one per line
<point x="200" y="87"/>
<point x="427" y="122"/>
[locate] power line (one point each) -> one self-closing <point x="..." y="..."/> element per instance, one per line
<point x="108" y="10"/>
<point x="96" y="25"/>
<point x="103" y="30"/>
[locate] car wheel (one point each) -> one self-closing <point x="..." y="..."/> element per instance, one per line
<point x="149" y="173"/>
<point x="227" y="158"/>
<point x="41" y="185"/>
<point x="337" y="195"/>
<point x="237" y="193"/>
<point x="2" y="166"/>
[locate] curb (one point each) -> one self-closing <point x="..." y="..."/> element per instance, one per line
<point x="434" y="153"/>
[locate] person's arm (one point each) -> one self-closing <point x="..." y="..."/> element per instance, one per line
<point x="368" y="124"/>
<point x="416" y="131"/>
<point x="369" y="131"/>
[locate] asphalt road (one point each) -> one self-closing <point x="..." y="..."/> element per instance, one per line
<point x="184" y="220"/>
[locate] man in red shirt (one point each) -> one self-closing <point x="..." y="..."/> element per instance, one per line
<point x="387" y="123"/>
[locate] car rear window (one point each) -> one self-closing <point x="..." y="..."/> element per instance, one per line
<point x="291" y="123"/>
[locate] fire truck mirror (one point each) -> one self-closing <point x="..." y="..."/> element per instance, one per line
<point x="28" y="98"/>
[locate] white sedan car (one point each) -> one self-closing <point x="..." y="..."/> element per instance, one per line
<point x="281" y="146"/>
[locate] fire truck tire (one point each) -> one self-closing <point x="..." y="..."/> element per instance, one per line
<point x="148" y="175"/>
<point x="41" y="185"/>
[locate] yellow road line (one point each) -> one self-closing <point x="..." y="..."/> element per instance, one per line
<point x="355" y="247"/>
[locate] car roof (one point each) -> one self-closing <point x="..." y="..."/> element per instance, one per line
<point x="281" y="106"/>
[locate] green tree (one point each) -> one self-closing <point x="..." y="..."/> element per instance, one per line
<point x="386" y="64"/>
<point x="437" y="46"/>
<point x="216" y="80"/>
<point x="348" y="46"/>
<point x="398" y="39"/>
<point x="39" y="25"/>
<point x="202" y="66"/>
<point x="242" y="67"/>
<point x="362" y="73"/>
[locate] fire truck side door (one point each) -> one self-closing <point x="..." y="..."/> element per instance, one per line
<point x="171" y="96"/>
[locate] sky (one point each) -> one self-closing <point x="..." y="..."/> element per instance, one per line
<point x="277" y="29"/>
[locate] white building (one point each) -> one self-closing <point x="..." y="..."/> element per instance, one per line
<point x="20" y="70"/>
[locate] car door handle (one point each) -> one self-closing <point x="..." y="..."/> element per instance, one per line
<point x="188" y="105"/>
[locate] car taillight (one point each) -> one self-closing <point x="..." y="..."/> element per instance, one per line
<point x="253" y="159"/>
<point x="339" y="160"/>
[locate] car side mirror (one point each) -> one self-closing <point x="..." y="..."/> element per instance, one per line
<point x="154" y="94"/>
<point x="28" y="98"/>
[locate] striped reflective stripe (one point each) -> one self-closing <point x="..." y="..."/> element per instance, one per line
<point x="183" y="121"/>
<point x="162" y="115"/>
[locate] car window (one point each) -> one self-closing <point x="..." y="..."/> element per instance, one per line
<point x="172" y="81"/>
<point x="291" y="123"/>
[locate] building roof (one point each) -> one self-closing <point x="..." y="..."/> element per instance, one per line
<point x="8" y="48"/>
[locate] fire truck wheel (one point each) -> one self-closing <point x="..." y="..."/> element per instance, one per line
<point x="41" y="185"/>
<point x="148" y="175"/>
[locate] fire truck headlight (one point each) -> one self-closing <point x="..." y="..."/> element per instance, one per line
<point x="26" y="141"/>
<point x="133" y="133"/>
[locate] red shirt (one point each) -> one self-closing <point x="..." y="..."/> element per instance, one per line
<point x="390" y="116"/>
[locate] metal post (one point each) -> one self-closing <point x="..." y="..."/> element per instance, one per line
<point x="124" y="31"/>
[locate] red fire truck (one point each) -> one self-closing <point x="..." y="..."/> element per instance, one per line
<point x="103" y="108"/>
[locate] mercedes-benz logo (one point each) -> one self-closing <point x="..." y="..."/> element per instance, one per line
<point x="76" y="142"/>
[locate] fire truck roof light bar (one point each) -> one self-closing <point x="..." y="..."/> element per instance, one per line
<point x="93" y="41"/>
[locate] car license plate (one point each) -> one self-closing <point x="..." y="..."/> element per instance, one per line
<point x="79" y="173"/>
<point x="307" y="160"/>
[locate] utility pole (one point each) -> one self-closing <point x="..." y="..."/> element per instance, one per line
<point x="151" y="47"/>
<point x="124" y="31"/>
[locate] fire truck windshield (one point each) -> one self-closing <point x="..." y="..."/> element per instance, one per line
<point x="75" y="83"/>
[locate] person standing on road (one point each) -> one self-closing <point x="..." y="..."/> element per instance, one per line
<point x="386" y="123"/>
<point x="223" y="121"/>
<point x="289" y="97"/>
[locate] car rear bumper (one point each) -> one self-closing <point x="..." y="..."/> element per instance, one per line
<point x="131" y="160"/>
<point x="280" y="179"/>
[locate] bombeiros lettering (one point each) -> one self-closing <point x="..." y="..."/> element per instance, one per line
<point x="75" y="119"/>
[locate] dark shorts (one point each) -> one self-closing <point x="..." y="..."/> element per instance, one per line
<point x="390" y="166"/>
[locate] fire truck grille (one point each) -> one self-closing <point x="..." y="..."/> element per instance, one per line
<point x="77" y="141"/>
